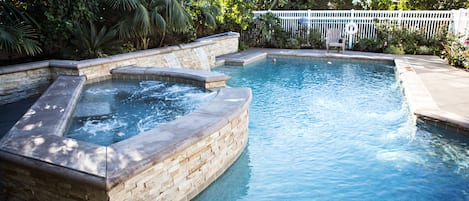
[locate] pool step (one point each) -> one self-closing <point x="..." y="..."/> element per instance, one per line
<point x="96" y="110"/>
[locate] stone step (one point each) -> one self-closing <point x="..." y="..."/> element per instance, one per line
<point x="95" y="110"/>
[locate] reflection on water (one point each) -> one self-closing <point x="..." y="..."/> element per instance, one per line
<point x="13" y="112"/>
<point x="451" y="148"/>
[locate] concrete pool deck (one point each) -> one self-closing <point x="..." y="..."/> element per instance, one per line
<point x="437" y="93"/>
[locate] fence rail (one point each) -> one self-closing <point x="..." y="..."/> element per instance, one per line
<point x="428" y="22"/>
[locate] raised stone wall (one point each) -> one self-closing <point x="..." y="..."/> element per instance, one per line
<point x="30" y="80"/>
<point x="24" y="80"/>
<point x="188" y="172"/>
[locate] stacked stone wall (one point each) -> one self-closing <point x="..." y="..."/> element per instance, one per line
<point x="25" y="80"/>
<point x="187" y="173"/>
<point x="19" y="85"/>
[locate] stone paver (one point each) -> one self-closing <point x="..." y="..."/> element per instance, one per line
<point x="435" y="90"/>
<point x="448" y="86"/>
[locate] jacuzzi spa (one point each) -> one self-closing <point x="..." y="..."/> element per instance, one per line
<point x="173" y="159"/>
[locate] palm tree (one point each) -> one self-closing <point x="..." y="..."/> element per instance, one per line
<point x="17" y="32"/>
<point x="144" y="18"/>
<point x="89" y="42"/>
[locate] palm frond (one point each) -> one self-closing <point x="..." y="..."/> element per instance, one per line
<point x="176" y="16"/>
<point x="209" y="14"/>
<point x="92" y="43"/>
<point x="125" y="5"/>
<point x="158" y="20"/>
<point x="20" y="38"/>
<point x="142" y="19"/>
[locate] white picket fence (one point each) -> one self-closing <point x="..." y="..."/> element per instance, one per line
<point x="429" y="22"/>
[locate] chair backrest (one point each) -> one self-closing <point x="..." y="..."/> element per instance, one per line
<point x="333" y="35"/>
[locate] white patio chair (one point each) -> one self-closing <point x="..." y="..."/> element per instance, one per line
<point x="334" y="39"/>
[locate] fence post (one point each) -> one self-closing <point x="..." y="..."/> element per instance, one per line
<point x="399" y="18"/>
<point x="309" y="23"/>
<point x="350" y="36"/>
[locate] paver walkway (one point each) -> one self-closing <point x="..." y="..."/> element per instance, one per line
<point x="448" y="86"/>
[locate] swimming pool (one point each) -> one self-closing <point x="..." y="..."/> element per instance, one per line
<point x="114" y="110"/>
<point x="337" y="130"/>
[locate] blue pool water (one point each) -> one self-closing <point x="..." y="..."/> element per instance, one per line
<point x="337" y="130"/>
<point x="114" y="110"/>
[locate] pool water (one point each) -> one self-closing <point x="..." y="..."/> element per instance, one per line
<point x="13" y="112"/>
<point x="337" y="130"/>
<point x="114" y="110"/>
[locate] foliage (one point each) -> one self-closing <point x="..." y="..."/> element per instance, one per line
<point x="205" y="15"/>
<point x="90" y="43"/>
<point x="266" y="31"/>
<point x="18" y="31"/>
<point x="456" y="51"/>
<point x="58" y="19"/>
<point x="143" y="20"/>
<point x="412" y="4"/>
<point x="237" y="14"/>
<point x="434" y="4"/>
<point x="392" y="49"/>
<point x="376" y="5"/>
<point x="242" y="46"/>
<point x="316" y="40"/>
<point x="410" y="39"/>
<point x="369" y="45"/>
<point x="304" y="4"/>
<point x="293" y="43"/>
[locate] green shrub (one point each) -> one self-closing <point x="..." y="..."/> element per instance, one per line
<point x="369" y="45"/>
<point x="316" y="40"/>
<point x="242" y="46"/>
<point x="89" y="42"/>
<point x="424" y="50"/>
<point x="410" y="39"/>
<point x="293" y="43"/>
<point x="456" y="51"/>
<point x="266" y="31"/>
<point x="392" y="49"/>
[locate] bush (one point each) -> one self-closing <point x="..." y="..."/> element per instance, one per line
<point x="293" y="43"/>
<point x="315" y="38"/>
<point x="369" y="45"/>
<point x="266" y="31"/>
<point x="424" y="50"/>
<point x="392" y="49"/>
<point x="409" y="39"/>
<point x="456" y="51"/>
<point x="242" y="46"/>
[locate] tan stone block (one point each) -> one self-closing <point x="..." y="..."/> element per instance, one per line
<point x="196" y="167"/>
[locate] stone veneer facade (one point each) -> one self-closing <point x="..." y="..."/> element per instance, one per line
<point x="24" y="80"/>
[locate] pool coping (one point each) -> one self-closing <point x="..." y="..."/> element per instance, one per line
<point x="36" y="142"/>
<point x="207" y="79"/>
<point x="421" y="103"/>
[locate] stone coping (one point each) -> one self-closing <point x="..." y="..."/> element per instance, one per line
<point x="37" y="139"/>
<point x="198" y="75"/>
<point x="255" y="54"/>
<point x="73" y="64"/>
<point x="219" y="36"/>
<point x="420" y="101"/>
